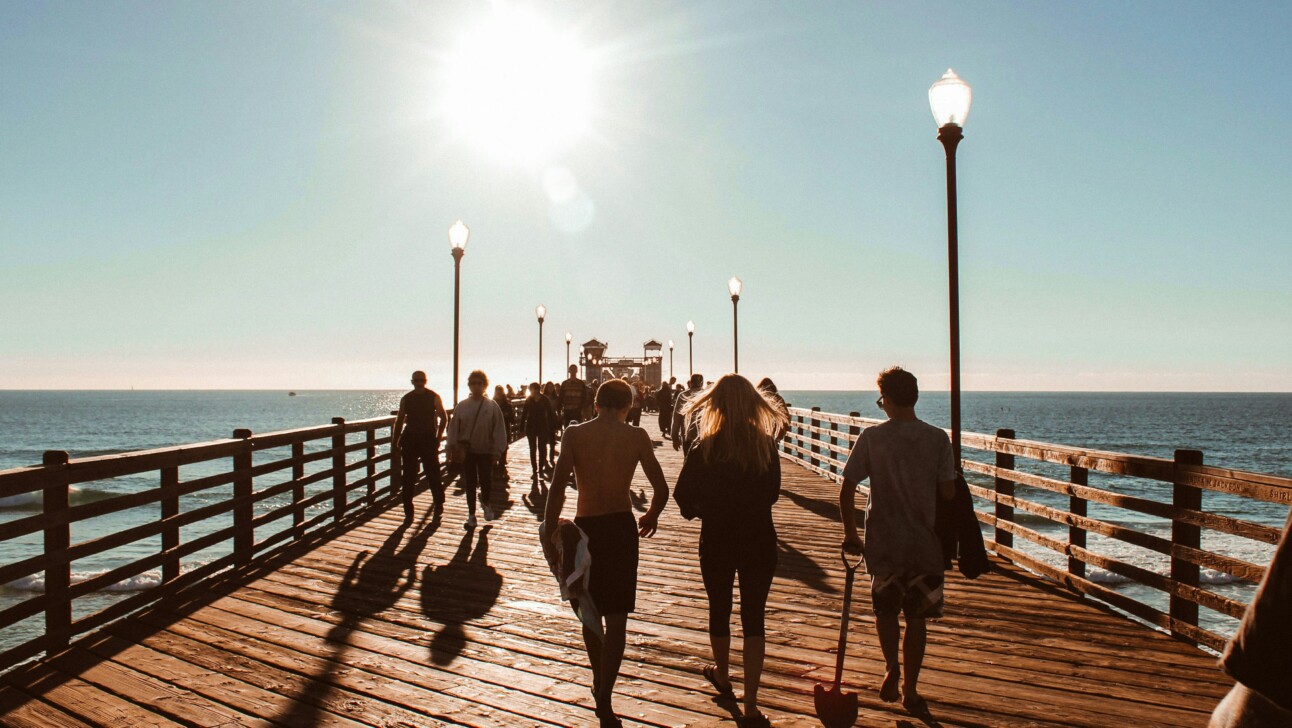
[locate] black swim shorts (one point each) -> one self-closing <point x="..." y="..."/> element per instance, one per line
<point x="612" y="544"/>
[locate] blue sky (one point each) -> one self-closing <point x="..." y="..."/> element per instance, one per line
<point x="248" y="195"/>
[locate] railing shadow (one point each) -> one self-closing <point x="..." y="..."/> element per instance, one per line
<point x="825" y="509"/>
<point x="797" y="565"/>
<point x="455" y="593"/>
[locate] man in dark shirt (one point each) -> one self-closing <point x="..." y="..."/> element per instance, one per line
<point x="419" y="427"/>
<point x="574" y="395"/>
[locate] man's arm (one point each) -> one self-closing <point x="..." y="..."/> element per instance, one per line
<point x="947" y="489"/>
<point x="398" y="428"/>
<point x="649" y="522"/>
<point x="848" y="513"/>
<point x="442" y="417"/>
<point x="564" y="468"/>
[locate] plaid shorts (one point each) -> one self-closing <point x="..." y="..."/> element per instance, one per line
<point x="918" y="596"/>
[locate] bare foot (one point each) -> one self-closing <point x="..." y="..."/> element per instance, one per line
<point x="888" y="690"/>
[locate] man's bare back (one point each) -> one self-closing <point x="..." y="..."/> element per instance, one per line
<point x="604" y="455"/>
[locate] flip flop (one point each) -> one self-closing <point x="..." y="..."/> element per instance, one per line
<point x="711" y="674"/>
<point x="755" y="721"/>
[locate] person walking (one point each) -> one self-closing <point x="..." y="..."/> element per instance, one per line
<point x="730" y="479"/>
<point x="910" y="466"/>
<point x="635" y="409"/>
<point x="553" y="395"/>
<point x="683" y="426"/>
<point x="768" y="388"/>
<point x="539" y="423"/>
<point x="419" y="427"/>
<point x="664" y="402"/>
<point x="501" y="399"/>
<point x="603" y="454"/>
<point x="574" y="395"/>
<point x="480" y="431"/>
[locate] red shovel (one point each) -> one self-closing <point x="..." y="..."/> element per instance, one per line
<point x="835" y="708"/>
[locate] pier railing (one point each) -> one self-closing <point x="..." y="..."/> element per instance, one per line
<point x="321" y="474"/>
<point x="1002" y="470"/>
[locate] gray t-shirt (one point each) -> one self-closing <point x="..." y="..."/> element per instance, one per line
<point x="905" y="460"/>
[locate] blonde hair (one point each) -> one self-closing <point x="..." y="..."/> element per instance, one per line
<point x="737" y="423"/>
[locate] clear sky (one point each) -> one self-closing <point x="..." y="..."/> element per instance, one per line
<point x="257" y="194"/>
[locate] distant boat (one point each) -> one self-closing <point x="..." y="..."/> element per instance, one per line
<point x="291" y="394"/>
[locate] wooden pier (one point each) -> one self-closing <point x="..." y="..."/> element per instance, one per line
<point x="369" y="622"/>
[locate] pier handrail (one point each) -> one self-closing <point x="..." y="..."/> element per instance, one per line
<point x="821" y="441"/>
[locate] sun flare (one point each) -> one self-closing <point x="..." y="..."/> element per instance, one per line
<point x="519" y="87"/>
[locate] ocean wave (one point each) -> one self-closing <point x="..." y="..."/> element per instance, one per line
<point x="1207" y="576"/>
<point x="35" y="500"/>
<point x="35" y="583"/>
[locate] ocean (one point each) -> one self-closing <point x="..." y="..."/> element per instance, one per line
<point x="1241" y="431"/>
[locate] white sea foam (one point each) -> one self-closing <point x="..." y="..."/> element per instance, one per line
<point x="36" y="583"/>
<point x="35" y="500"/>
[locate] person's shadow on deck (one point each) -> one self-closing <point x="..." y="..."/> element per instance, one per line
<point x="372" y="584"/>
<point x="825" y="509"/>
<point x="795" y="564"/>
<point x="455" y="593"/>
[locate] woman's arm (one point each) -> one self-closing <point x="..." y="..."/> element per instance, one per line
<point x="687" y="491"/>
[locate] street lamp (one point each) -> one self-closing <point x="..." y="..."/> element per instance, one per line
<point x="950" y="97"/>
<point x="568" y="338"/>
<point x="670" y="358"/>
<point x="541" y="312"/>
<point x="458" y="235"/>
<point x="733" y="286"/>
<point x="690" y="349"/>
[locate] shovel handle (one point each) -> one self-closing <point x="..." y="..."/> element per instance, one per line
<point x="851" y="568"/>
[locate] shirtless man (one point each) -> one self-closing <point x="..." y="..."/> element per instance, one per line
<point x="603" y="454"/>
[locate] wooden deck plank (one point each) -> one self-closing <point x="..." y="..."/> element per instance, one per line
<point x="433" y="626"/>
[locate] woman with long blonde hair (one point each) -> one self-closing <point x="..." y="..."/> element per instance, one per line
<point x="730" y="480"/>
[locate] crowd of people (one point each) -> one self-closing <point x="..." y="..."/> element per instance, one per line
<point x="728" y="431"/>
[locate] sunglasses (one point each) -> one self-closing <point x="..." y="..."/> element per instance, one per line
<point x="880" y="402"/>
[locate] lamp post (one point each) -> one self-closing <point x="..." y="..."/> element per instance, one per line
<point x="541" y="312"/>
<point x="670" y="358"/>
<point x="733" y="286"/>
<point x="568" y="338"/>
<point x="458" y="235"/>
<point x="949" y="98"/>
<point x="690" y="349"/>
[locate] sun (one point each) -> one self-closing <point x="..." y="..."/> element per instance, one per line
<point x="518" y="87"/>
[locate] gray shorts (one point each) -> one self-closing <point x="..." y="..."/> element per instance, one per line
<point x="918" y="596"/>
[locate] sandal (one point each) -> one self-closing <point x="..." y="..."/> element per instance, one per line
<point x="711" y="674"/>
<point x="758" y="720"/>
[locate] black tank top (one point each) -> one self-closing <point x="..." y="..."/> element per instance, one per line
<point x="420" y="416"/>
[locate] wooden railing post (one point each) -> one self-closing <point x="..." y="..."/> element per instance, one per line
<point x="815" y="438"/>
<point x="1187" y="535"/>
<point x="244" y="536"/>
<point x="170" y="509"/>
<point x="58" y="538"/>
<point x="338" y="469"/>
<point x="298" y="488"/>
<point x="371" y="454"/>
<point x="1077" y="534"/>
<point x="834" y="441"/>
<point x="1004" y="487"/>
<point x="854" y="432"/>
<point x="396" y="464"/>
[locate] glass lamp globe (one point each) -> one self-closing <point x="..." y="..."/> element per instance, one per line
<point x="568" y="337"/>
<point x="541" y="312"/>
<point x="458" y="235"/>
<point x="690" y="327"/>
<point x="670" y="344"/>
<point x="950" y="97"/>
<point x="734" y="285"/>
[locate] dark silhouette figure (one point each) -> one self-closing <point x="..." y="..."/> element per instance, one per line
<point x="374" y="583"/>
<point x="455" y="593"/>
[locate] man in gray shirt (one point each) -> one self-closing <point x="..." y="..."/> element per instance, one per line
<point x="910" y="466"/>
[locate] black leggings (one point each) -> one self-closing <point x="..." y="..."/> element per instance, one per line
<point x="537" y="450"/>
<point x="476" y="471"/>
<point x="756" y="564"/>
